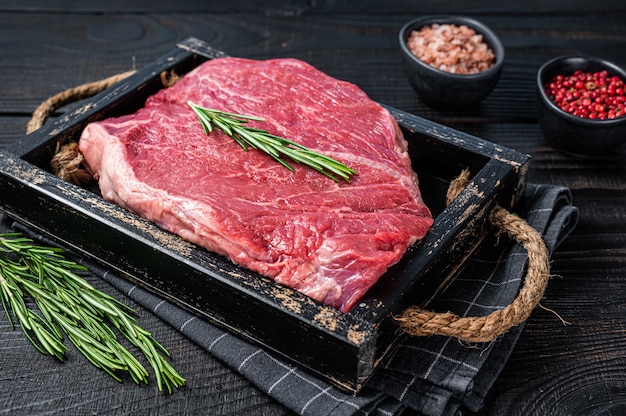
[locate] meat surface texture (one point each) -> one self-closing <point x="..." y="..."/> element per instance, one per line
<point x="329" y="240"/>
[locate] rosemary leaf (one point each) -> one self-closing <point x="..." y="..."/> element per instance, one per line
<point x="70" y="305"/>
<point x="220" y="124"/>
<point x="21" y="312"/>
<point x="234" y="126"/>
<point x="52" y="342"/>
<point x="98" y="303"/>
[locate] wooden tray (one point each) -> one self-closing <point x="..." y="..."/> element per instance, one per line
<point x="342" y="348"/>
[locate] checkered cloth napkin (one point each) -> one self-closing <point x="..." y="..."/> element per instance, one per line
<point x="434" y="375"/>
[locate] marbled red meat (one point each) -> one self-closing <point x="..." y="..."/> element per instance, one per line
<point x="329" y="240"/>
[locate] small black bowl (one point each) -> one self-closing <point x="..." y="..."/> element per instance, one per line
<point x="573" y="134"/>
<point x="443" y="89"/>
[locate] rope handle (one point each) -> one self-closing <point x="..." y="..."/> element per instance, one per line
<point x="67" y="164"/>
<point x="419" y="322"/>
<point x="45" y="109"/>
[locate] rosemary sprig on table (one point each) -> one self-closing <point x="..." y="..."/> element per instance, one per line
<point x="234" y="126"/>
<point x="70" y="305"/>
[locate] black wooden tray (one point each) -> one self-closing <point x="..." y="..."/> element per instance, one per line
<point x="342" y="348"/>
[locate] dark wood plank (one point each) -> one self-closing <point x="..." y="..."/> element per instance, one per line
<point x="12" y="128"/>
<point x="559" y="369"/>
<point x="300" y="7"/>
<point x="576" y="368"/>
<point x="363" y="51"/>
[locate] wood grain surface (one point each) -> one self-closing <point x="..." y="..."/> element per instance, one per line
<point x="557" y="368"/>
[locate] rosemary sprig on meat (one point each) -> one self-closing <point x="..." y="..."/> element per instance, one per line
<point x="70" y="305"/>
<point x="234" y="126"/>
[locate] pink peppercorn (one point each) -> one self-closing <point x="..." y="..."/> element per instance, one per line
<point x="594" y="95"/>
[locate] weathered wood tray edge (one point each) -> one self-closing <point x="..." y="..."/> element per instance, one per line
<point x="343" y="348"/>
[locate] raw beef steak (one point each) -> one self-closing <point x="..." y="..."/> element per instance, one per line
<point x="329" y="240"/>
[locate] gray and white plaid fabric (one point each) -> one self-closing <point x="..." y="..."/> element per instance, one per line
<point x="435" y="375"/>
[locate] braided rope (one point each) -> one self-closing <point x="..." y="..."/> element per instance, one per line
<point x="419" y="322"/>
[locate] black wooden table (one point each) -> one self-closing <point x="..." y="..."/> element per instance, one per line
<point x="556" y="368"/>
